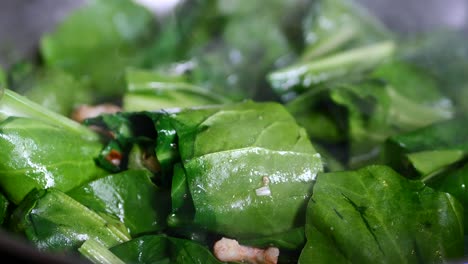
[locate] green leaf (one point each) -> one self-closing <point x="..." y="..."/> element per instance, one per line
<point x="236" y="68"/>
<point x="375" y="215"/>
<point x="348" y="64"/>
<point x="428" y="150"/>
<point x="98" y="41"/>
<point x="333" y="25"/>
<point x="13" y="104"/>
<point x="427" y="162"/>
<point x="53" y="89"/>
<point x="163" y="249"/>
<point x="37" y="155"/>
<point x="53" y="221"/>
<point x="150" y="91"/>
<point x="400" y="100"/>
<point x="130" y="196"/>
<point x="454" y="181"/>
<point x="231" y="170"/>
<point x="97" y="253"/>
<point x="323" y="120"/>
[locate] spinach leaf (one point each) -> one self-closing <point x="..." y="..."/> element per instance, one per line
<point x="246" y="182"/>
<point x="350" y="64"/>
<point x="454" y="181"/>
<point x="395" y="97"/>
<point x="333" y="25"/>
<point x="324" y="120"/>
<point x="379" y="110"/>
<point x="37" y="155"/>
<point x="53" y="221"/>
<point x="98" y="41"/>
<point x="221" y="59"/>
<point x="51" y="88"/>
<point x="429" y="150"/>
<point x="163" y="249"/>
<point x="130" y="196"/>
<point x="151" y="91"/>
<point x="13" y="104"/>
<point x="375" y="215"/>
<point x="236" y="68"/>
<point x="97" y="253"/>
<point x="192" y="24"/>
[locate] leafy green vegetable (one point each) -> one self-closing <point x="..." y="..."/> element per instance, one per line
<point x="194" y="155"/>
<point x="97" y="253"/>
<point x="163" y="249"/>
<point x="98" y="41"/>
<point x="396" y="97"/>
<point x="130" y="196"/>
<point x="378" y="110"/>
<point x="53" y="89"/>
<point x="53" y="221"/>
<point x="38" y="155"/>
<point x="13" y="104"/>
<point x="346" y="64"/>
<point x="124" y="132"/>
<point x="273" y="155"/>
<point x="151" y="91"/>
<point x="454" y="181"/>
<point x="332" y="25"/>
<point x="376" y="215"/>
<point x="427" y="151"/>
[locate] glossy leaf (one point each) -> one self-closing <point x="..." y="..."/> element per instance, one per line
<point x="53" y="221"/>
<point x="344" y="65"/>
<point x="13" y="104"/>
<point x="37" y="155"/>
<point x="130" y="196"/>
<point x="149" y="91"/>
<point x="375" y="215"/>
<point x="228" y="167"/>
<point x="378" y="110"/>
<point x="425" y="151"/>
<point x="163" y="249"/>
<point x="454" y="181"/>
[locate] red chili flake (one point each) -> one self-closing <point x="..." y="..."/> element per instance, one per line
<point x="114" y="157"/>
